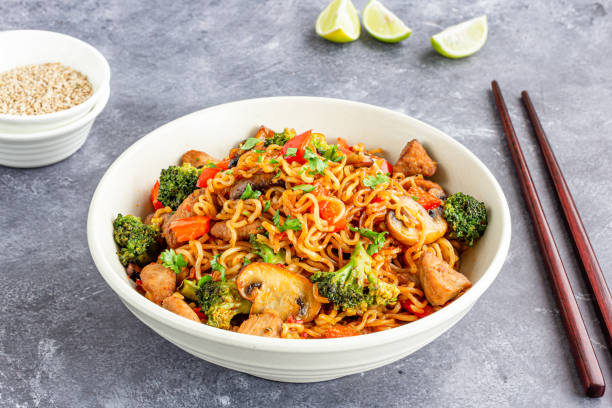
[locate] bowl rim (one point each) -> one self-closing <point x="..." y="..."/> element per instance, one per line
<point x="63" y="129"/>
<point x="66" y="113"/>
<point x="135" y="300"/>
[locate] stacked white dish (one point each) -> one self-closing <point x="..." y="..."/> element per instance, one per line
<point x="40" y="140"/>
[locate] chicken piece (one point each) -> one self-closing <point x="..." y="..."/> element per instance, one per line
<point x="267" y="324"/>
<point x="222" y="231"/>
<point x="259" y="182"/>
<point x="158" y="282"/>
<point x="439" y="281"/>
<point x="183" y="211"/>
<point x="414" y="160"/>
<point x="180" y="307"/>
<point x="197" y="158"/>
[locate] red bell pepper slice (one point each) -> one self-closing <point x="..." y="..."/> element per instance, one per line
<point x="343" y="146"/>
<point x="154" y="192"/>
<point x="428" y="201"/>
<point x="299" y="142"/>
<point x="386" y="167"/>
<point x="209" y="173"/>
<point x="190" y="228"/>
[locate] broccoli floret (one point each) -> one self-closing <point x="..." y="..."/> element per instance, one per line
<point x="138" y="242"/>
<point x="355" y="286"/>
<point x="266" y="253"/>
<point x="176" y="183"/>
<point x="279" y="139"/>
<point x="221" y="301"/>
<point x="466" y="217"/>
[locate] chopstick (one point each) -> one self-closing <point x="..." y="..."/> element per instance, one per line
<point x="581" y="239"/>
<point x="578" y="336"/>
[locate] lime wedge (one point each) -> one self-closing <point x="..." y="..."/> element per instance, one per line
<point x="339" y="22"/>
<point x="382" y="24"/>
<point x="462" y="40"/>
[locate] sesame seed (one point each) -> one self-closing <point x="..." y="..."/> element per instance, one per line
<point x="42" y="88"/>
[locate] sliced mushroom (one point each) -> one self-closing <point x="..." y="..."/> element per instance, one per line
<point x="180" y="307"/>
<point x="158" y="282"/>
<point x="273" y="287"/>
<point x="260" y="182"/>
<point x="433" y="228"/>
<point x="428" y="185"/>
<point x="267" y="324"/>
<point x="360" y="159"/>
<point x="222" y="231"/>
<point x="414" y="160"/>
<point x="439" y="281"/>
<point x="197" y="158"/>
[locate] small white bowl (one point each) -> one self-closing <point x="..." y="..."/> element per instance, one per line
<point x="26" y="47"/>
<point x="49" y="146"/>
<point x="126" y="186"/>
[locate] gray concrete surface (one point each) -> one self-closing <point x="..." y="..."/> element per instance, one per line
<point x="67" y="341"/>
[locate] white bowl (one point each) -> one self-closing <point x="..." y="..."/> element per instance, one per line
<point x="126" y="185"/>
<point x="25" y="47"/>
<point x="49" y="146"/>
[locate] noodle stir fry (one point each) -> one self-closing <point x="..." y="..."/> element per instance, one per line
<point x="292" y="237"/>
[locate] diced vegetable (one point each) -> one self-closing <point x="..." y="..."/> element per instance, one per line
<point x="427" y="201"/>
<point x="154" y="192"/>
<point x="299" y="142"/>
<point x="190" y="228"/>
<point x="209" y="173"/>
<point x="340" y="330"/>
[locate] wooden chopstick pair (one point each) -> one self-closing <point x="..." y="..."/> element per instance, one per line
<point x="582" y="349"/>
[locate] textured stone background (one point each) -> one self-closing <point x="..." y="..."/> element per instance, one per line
<point x="67" y="341"/>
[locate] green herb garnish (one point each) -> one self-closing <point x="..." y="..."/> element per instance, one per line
<point x="373" y="181"/>
<point x="377" y="238"/>
<point x="289" y="224"/>
<point x="216" y="266"/>
<point x="250" y="193"/>
<point x="316" y="165"/>
<point x="172" y="260"/>
<point x="250" y="143"/>
<point x="307" y="188"/>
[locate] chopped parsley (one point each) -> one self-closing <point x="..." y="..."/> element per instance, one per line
<point x="274" y="161"/>
<point x="216" y="266"/>
<point x="316" y="165"/>
<point x="230" y="171"/>
<point x="289" y="224"/>
<point x="331" y="154"/>
<point x="250" y="193"/>
<point x="259" y="158"/>
<point x="210" y="165"/>
<point x="266" y="206"/>
<point x="415" y="198"/>
<point x="291" y="152"/>
<point x="373" y="181"/>
<point x="172" y="260"/>
<point x="377" y="238"/>
<point x="245" y="261"/>
<point x="250" y="143"/>
<point x="307" y="188"/>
